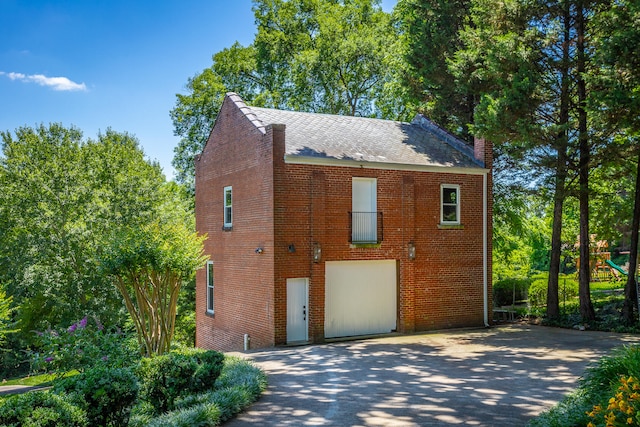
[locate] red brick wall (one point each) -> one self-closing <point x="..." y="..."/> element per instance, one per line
<point x="239" y="155"/>
<point x="441" y="288"/>
<point x="279" y="206"/>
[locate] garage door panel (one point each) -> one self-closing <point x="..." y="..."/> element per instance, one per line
<point x="360" y="297"/>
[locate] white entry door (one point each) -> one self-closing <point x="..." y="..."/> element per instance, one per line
<point x="297" y="310"/>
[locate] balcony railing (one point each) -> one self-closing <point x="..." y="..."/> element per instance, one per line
<point x="366" y="227"/>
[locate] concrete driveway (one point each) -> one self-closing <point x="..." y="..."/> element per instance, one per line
<point x="502" y="376"/>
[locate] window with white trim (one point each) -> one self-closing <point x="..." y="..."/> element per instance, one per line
<point x="450" y="204"/>
<point x="228" y="207"/>
<point x="209" y="286"/>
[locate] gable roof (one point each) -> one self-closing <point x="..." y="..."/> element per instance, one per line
<point x="326" y="138"/>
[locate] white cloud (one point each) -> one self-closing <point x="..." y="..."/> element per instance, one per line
<point x="56" y="83"/>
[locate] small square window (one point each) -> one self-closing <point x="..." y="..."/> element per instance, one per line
<point x="210" y="287"/>
<point x="450" y="206"/>
<point x="228" y="207"/>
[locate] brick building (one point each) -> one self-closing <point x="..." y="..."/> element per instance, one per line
<point x="323" y="226"/>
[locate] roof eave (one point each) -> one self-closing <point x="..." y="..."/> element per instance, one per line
<point x="324" y="161"/>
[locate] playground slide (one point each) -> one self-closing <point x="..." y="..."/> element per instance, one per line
<point x="617" y="267"/>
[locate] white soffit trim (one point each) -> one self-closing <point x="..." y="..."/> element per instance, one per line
<point x="323" y="161"/>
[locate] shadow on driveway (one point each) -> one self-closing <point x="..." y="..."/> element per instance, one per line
<point x="502" y="376"/>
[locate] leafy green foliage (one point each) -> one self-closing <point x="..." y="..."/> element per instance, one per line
<point x="239" y="385"/>
<point x="430" y="37"/>
<point x="83" y="345"/>
<point x="568" y="288"/>
<point x="238" y="372"/>
<point x="165" y="378"/>
<point x="510" y="290"/>
<point x="40" y="409"/>
<point x="62" y="197"/>
<point x="205" y="414"/>
<point x="149" y="265"/>
<point x="6" y="311"/>
<point x="337" y="57"/>
<point x="600" y="382"/>
<point x="106" y="394"/>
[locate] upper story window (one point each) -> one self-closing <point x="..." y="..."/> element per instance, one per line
<point x="228" y="207"/>
<point x="210" y="287"/>
<point x="366" y="221"/>
<point x="450" y="206"/>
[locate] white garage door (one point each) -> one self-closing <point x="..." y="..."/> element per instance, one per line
<point x="360" y="298"/>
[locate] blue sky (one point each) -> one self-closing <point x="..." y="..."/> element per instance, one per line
<point x="113" y="63"/>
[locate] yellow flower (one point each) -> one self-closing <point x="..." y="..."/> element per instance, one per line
<point x="622" y="405"/>
<point x="610" y="418"/>
<point x="629" y="420"/>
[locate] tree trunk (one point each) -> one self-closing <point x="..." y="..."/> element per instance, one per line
<point x="553" y="304"/>
<point x="586" y="307"/>
<point x="631" y="287"/>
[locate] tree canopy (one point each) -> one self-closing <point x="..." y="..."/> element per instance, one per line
<point x="336" y="57"/>
<point x="64" y="198"/>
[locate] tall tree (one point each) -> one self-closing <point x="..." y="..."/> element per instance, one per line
<point x="519" y="55"/>
<point x="561" y="145"/>
<point x="332" y="57"/>
<point x="584" y="148"/>
<point x="615" y="101"/>
<point x="61" y="197"/>
<point x="149" y="265"/>
<point x="430" y="32"/>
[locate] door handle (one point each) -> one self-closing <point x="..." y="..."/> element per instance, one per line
<point x="304" y="312"/>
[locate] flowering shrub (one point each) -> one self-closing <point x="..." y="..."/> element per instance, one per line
<point x="81" y="346"/>
<point x="623" y="408"/>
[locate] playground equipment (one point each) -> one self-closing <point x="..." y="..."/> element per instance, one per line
<point x="599" y="265"/>
<point x="617" y="269"/>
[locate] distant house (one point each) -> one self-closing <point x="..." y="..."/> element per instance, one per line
<point x="323" y="226"/>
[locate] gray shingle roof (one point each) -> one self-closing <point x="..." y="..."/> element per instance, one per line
<point x="361" y="139"/>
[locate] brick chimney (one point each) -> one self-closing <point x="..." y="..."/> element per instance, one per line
<point x="483" y="151"/>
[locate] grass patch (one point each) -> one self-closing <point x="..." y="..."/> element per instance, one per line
<point x="36" y="380"/>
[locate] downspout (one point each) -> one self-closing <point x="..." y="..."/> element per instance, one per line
<point x="485" y="261"/>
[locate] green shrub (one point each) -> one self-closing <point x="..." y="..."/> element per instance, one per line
<point x="203" y="415"/>
<point x="165" y="378"/>
<point x="83" y="345"/>
<point x="40" y="409"/>
<point x="505" y="290"/>
<point x="210" y="364"/>
<point x="599" y="383"/>
<point x="567" y="289"/>
<point x="238" y="372"/>
<point x="622" y="361"/>
<point x="570" y="411"/>
<point x="106" y="394"/>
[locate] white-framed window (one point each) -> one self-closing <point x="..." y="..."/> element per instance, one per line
<point x="210" y="287"/>
<point x="228" y="207"/>
<point x="450" y="204"/>
<point x="364" y="210"/>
